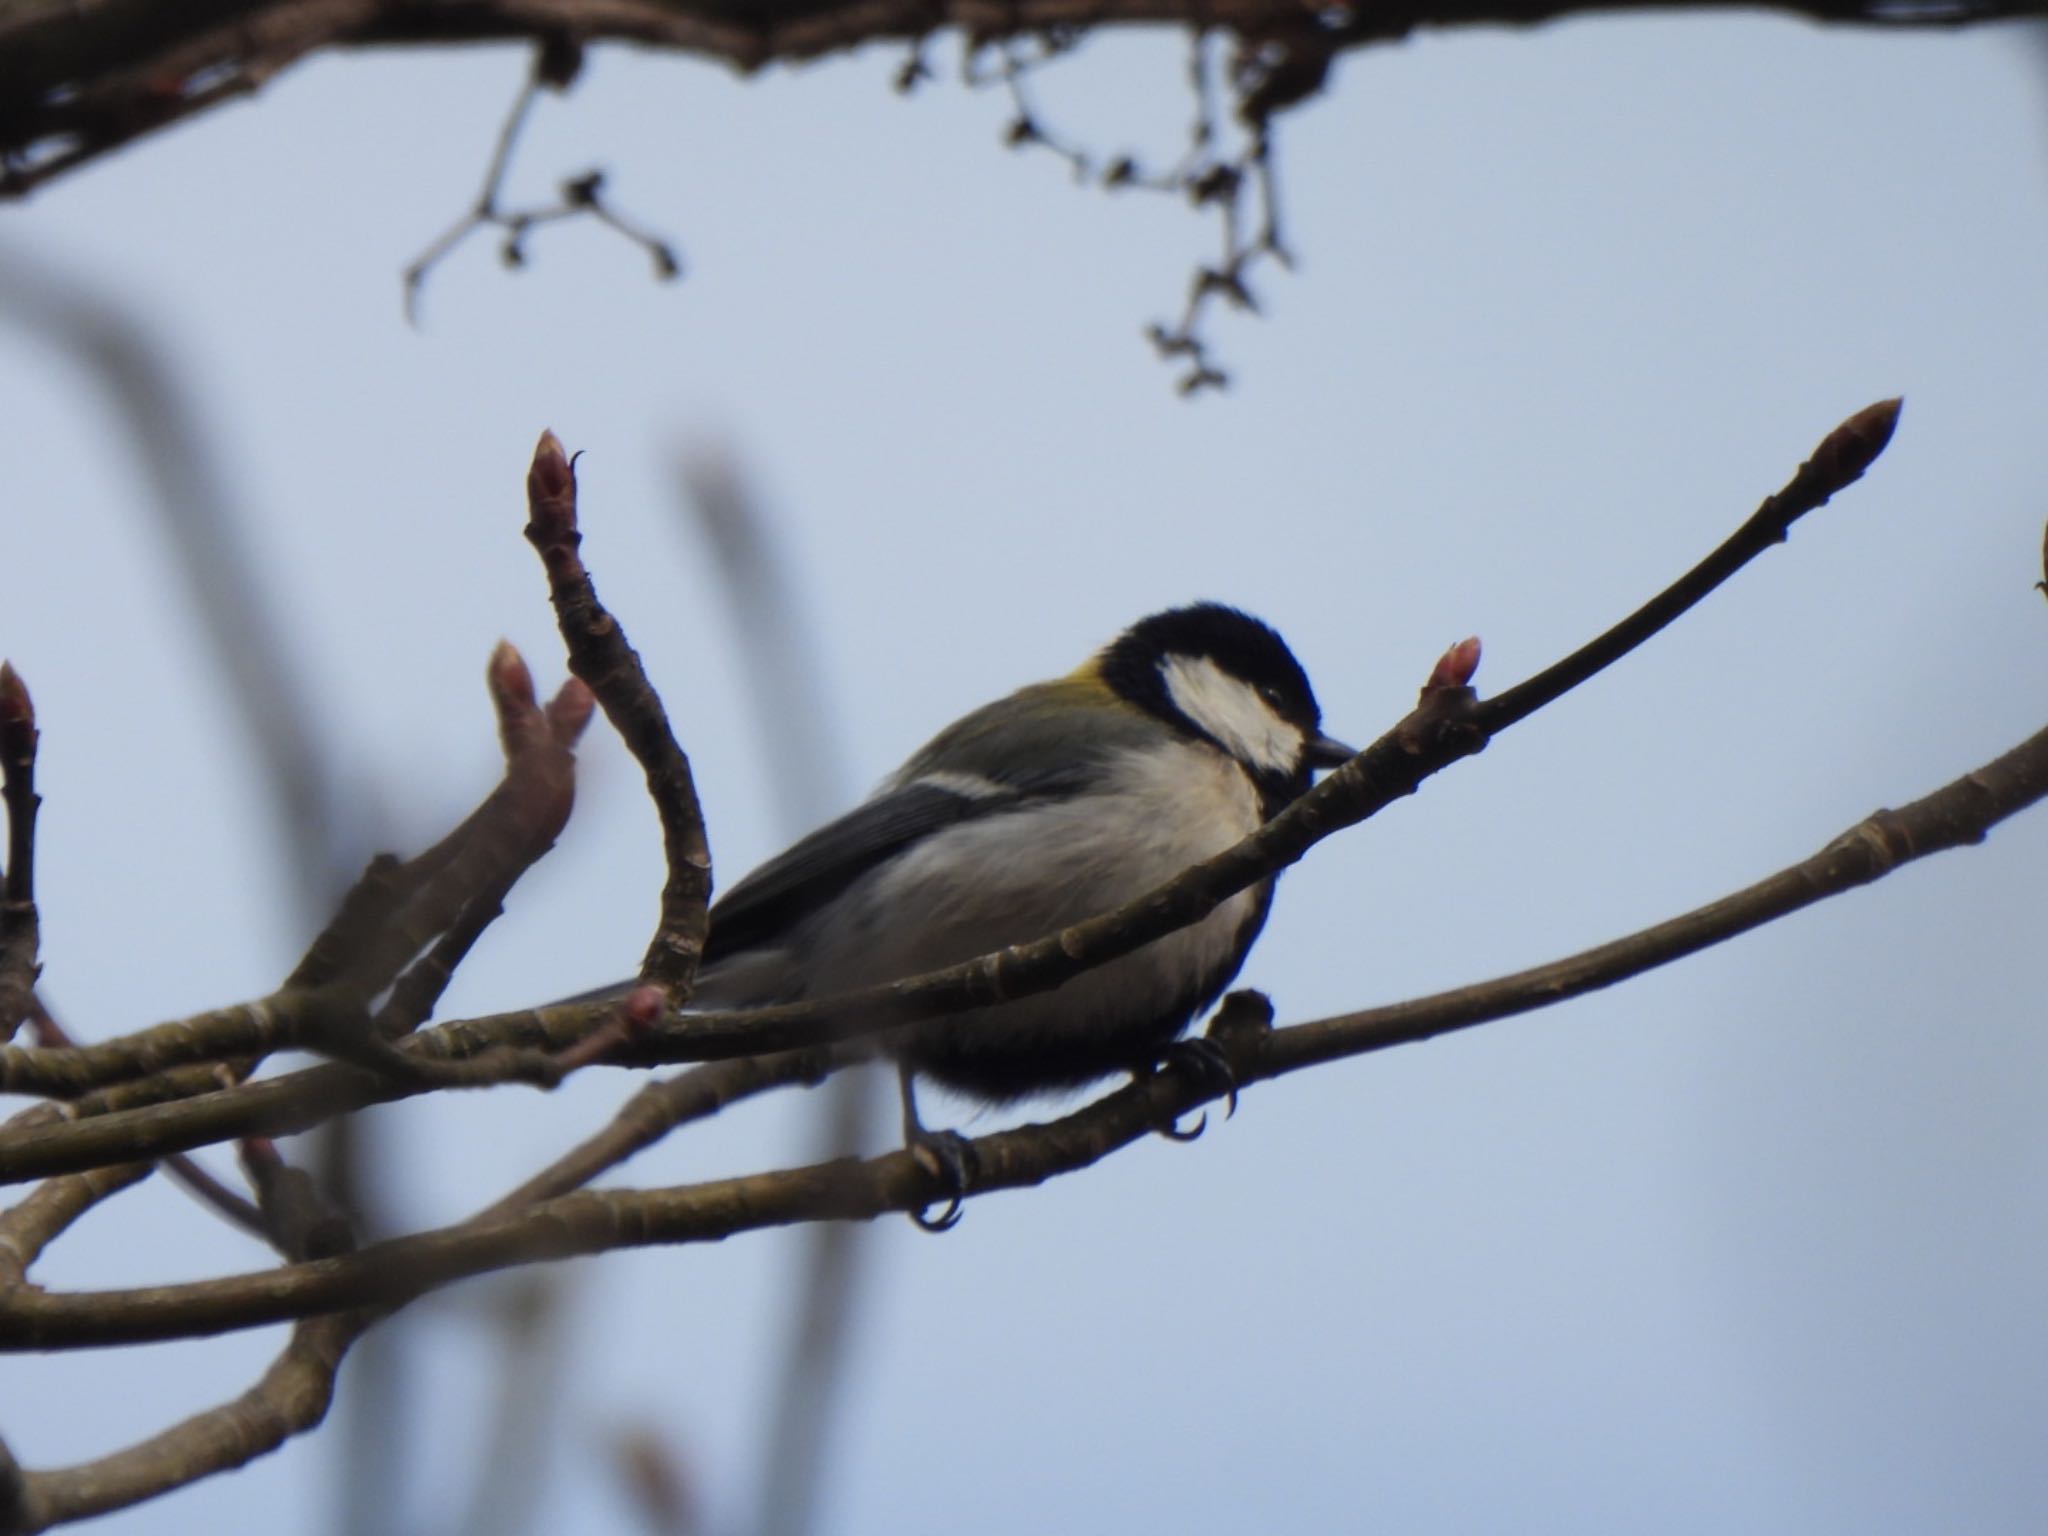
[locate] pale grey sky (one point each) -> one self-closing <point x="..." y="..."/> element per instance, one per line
<point x="1754" y="1244"/>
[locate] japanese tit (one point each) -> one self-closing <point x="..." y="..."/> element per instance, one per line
<point x="1058" y="803"/>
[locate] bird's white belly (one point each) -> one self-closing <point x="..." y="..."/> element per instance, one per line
<point x="1014" y="876"/>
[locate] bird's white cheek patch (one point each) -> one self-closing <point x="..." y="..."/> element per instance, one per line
<point x="1230" y="710"/>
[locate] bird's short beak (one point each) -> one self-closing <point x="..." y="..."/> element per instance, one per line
<point x="1328" y="752"/>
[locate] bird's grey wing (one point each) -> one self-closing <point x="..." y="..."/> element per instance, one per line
<point x="801" y="879"/>
<point x="1046" y="741"/>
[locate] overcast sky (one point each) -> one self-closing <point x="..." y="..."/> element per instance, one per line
<point x="1754" y="1244"/>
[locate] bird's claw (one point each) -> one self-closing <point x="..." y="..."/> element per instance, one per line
<point x="1207" y="1063"/>
<point x="1173" y="1132"/>
<point x="948" y="1158"/>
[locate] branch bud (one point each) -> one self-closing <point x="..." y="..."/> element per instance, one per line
<point x="551" y="476"/>
<point x="1455" y="668"/>
<point x="17" y="716"/>
<point x="551" y="509"/>
<point x="1845" y="453"/>
<point x="511" y="682"/>
<point x="642" y="1008"/>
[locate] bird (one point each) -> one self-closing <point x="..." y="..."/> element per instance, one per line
<point x="1057" y="803"/>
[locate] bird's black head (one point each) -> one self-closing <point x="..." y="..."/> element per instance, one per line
<point x="1228" y="678"/>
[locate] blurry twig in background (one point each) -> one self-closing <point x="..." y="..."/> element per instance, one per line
<point x="657" y="1481"/>
<point x="783" y="661"/>
<point x="320" y="835"/>
<point x="526" y="1320"/>
<point x="155" y="415"/>
<point x="804" y="762"/>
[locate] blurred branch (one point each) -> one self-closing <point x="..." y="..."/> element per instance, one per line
<point x="296" y="752"/>
<point x="656" y="1480"/>
<point x="785" y="671"/>
<point x="392" y="913"/>
<point x="154" y="407"/>
<point x="524" y="1403"/>
<point x="139" y="378"/>
<point x="784" y="664"/>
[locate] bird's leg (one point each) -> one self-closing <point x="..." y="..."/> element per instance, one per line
<point x="945" y="1154"/>
<point x="1205" y="1061"/>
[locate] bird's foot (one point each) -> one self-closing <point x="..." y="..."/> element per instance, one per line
<point x="949" y="1158"/>
<point x="1205" y="1061"/>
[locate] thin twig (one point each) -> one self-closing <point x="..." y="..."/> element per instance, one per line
<point x="19" y="931"/>
<point x="302" y="1221"/>
<point x="600" y="655"/>
<point x="1839" y="462"/>
<point x="185" y="1170"/>
<point x="291" y="1397"/>
<point x="557" y="60"/>
<point x="48" y="1210"/>
<point x="661" y="1107"/>
<point x="802" y="758"/>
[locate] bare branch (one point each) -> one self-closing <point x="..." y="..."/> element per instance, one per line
<point x="299" y="1218"/>
<point x="1447" y="725"/>
<point x="185" y="1170"/>
<point x="79" y="81"/>
<point x="391" y="1273"/>
<point x="291" y="1397"/>
<point x="1839" y="462"/>
<point x="662" y="1106"/>
<point x="600" y="655"/>
<point x="802" y="759"/>
<point x="557" y="60"/>
<point x="19" y="931"/>
<point x="48" y="1211"/>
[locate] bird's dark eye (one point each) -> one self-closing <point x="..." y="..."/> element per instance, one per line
<point x="1274" y="697"/>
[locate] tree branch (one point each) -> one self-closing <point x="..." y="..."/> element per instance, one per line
<point x="291" y="1397"/>
<point x="78" y="81"/>
<point x="391" y="1273"/>
<point x="19" y="930"/>
<point x="1446" y="726"/>
<point x="601" y="657"/>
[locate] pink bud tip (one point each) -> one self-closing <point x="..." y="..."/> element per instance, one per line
<point x="551" y="473"/>
<point x="1455" y="668"/>
<point x="643" y="1008"/>
<point x="510" y="680"/>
